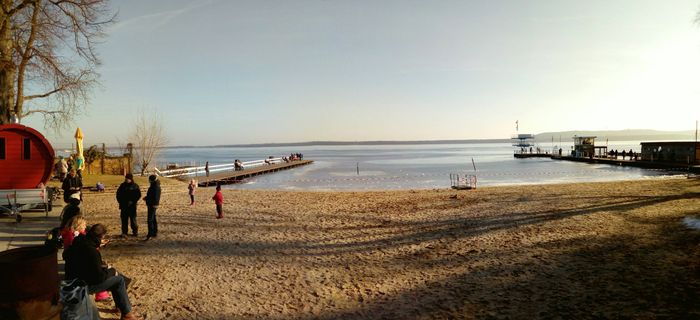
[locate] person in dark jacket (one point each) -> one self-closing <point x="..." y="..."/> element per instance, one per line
<point x="128" y="195"/>
<point x="72" y="184"/>
<point x="152" y="201"/>
<point x="71" y="210"/>
<point x="84" y="262"/>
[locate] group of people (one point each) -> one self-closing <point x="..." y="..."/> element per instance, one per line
<point x="128" y="195"/>
<point x="63" y="166"/>
<point x="631" y="154"/>
<point x="293" y="157"/>
<point x="82" y="245"/>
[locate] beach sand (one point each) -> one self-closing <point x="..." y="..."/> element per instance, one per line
<point x="568" y="251"/>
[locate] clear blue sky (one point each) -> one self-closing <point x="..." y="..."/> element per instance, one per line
<point x="224" y="72"/>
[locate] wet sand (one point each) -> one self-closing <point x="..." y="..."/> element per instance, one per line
<point x="571" y="251"/>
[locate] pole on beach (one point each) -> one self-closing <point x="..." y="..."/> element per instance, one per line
<point x="358" y="168"/>
<point x="473" y="164"/>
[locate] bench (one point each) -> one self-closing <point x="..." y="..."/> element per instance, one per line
<point x="14" y="201"/>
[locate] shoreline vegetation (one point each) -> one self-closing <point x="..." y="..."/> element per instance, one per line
<point x="583" y="250"/>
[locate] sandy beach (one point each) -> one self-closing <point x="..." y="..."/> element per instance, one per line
<point x="567" y="251"/>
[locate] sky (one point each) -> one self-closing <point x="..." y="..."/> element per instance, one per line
<point x="240" y="72"/>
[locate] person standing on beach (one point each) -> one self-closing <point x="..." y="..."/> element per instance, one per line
<point x="206" y="168"/>
<point x="192" y="187"/>
<point x="72" y="184"/>
<point x="219" y="200"/>
<point x="152" y="201"/>
<point x="128" y="196"/>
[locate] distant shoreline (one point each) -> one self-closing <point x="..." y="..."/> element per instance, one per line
<point x="346" y="143"/>
<point x="539" y="138"/>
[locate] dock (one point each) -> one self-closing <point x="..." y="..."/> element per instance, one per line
<point x="227" y="177"/>
<point x="231" y="172"/>
<point x="532" y="155"/>
<point x="632" y="163"/>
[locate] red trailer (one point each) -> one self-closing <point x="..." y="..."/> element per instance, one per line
<point x="26" y="164"/>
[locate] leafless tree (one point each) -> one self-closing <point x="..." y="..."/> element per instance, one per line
<point x="148" y="138"/>
<point x="48" y="60"/>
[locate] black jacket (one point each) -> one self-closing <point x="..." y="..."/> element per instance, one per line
<point x="153" y="194"/>
<point x="83" y="261"/>
<point x="71" y="182"/>
<point x="128" y="194"/>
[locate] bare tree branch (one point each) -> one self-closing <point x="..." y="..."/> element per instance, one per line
<point x="148" y="137"/>
<point x="34" y="38"/>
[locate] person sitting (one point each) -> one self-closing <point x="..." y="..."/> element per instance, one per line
<point x="75" y="227"/>
<point x="100" y="187"/>
<point x="71" y="210"/>
<point x="84" y="262"/>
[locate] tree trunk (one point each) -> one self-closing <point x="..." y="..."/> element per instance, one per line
<point x="7" y="68"/>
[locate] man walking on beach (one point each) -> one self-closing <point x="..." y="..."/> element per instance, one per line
<point x="152" y="201"/>
<point x="128" y="196"/>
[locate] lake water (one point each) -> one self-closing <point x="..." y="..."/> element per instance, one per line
<point x="384" y="167"/>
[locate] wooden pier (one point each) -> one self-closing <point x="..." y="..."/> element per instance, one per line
<point x="232" y="176"/>
<point x="632" y="163"/>
<point x="532" y="155"/>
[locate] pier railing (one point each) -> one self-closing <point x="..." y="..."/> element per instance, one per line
<point x="200" y="170"/>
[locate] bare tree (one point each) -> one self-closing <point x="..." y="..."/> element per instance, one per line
<point x="47" y="57"/>
<point x="148" y="138"/>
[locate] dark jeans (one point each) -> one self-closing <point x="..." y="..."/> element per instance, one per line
<point x="128" y="215"/>
<point x="219" y="210"/>
<point x="117" y="286"/>
<point x="192" y="199"/>
<point x="152" y="222"/>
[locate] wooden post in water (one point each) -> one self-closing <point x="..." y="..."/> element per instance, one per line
<point x="358" y="168"/>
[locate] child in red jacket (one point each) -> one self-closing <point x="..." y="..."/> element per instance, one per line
<point x="219" y="200"/>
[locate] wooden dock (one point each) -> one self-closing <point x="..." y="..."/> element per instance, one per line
<point x="532" y="155"/>
<point x="231" y="176"/>
<point x="632" y="163"/>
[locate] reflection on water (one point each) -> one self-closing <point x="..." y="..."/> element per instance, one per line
<point x="408" y="166"/>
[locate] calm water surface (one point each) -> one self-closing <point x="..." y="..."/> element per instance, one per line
<point x="408" y="166"/>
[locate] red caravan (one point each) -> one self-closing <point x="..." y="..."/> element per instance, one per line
<point x="26" y="157"/>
